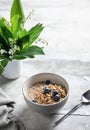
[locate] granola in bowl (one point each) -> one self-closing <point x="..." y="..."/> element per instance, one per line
<point x="45" y="92"/>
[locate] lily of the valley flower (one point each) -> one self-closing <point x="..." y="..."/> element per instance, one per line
<point x="2" y="51"/>
<point x="12" y="41"/>
<point x="41" y="40"/>
<point x="13" y="49"/>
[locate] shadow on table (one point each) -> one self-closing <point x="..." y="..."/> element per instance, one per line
<point x="4" y="80"/>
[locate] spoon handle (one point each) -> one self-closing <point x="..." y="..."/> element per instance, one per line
<point x="70" y="112"/>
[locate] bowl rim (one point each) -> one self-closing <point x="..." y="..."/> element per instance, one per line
<point x="43" y="105"/>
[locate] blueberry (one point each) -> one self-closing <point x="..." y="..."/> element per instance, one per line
<point x="34" y="101"/>
<point x="55" y="92"/>
<point x="46" y="90"/>
<point x="56" y="97"/>
<point x="47" y="82"/>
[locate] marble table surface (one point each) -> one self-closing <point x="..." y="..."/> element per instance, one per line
<point x="79" y="120"/>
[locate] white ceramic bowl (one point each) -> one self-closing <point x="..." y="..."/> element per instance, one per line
<point x="45" y="108"/>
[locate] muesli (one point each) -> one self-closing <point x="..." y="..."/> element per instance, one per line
<point x="46" y="93"/>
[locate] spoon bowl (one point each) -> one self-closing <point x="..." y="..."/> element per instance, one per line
<point x="85" y="98"/>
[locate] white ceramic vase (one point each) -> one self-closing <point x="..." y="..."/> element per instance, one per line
<point x="13" y="69"/>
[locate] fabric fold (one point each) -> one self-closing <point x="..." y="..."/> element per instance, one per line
<point x="7" y="120"/>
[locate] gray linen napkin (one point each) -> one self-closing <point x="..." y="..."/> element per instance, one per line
<point x="7" y="120"/>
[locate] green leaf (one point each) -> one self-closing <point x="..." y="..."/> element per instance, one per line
<point x="32" y="50"/>
<point x="16" y="24"/>
<point x="6" y="23"/>
<point x="1" y="46"/>
<point x="1" y="22"/>
<point x="3" y="63"/>
<point x="30" y="56"/>
<point x="4" y="43"/>
<point x="29" y="52"/>
<point x="35" y="32"/>
<point x="16" y="9"/>
<point x="6" y="33"/>
<point x="30" y="37"/>
<point x="19" y="57"/>
<point x="22" y="41"/>
<point x="22" y="33"/>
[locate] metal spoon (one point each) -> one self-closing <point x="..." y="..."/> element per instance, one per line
<point x="85" y="99"/>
